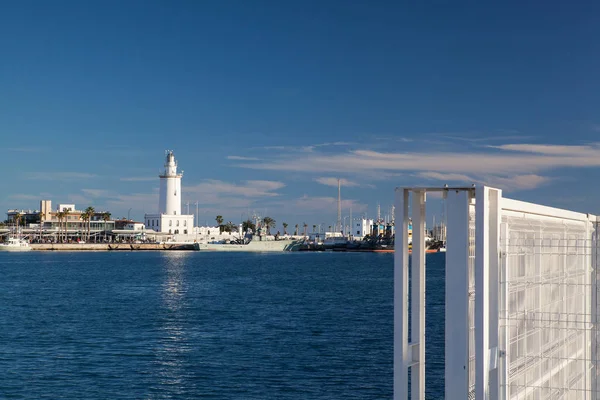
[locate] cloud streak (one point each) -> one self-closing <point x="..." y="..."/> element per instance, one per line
<point x="509" y="159"/>
<point x="59" y="176"/>
<point x="331" y="181"/>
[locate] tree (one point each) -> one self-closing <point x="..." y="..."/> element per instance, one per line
<point x="229" y="227"/>
<point x="296" y="233"/>
<point x="314" y="228"/>
<point x="305" y="226"/>
<point x="60" y="215"/>
<point x="269" y="223"/>
<point x="90" y="212"/>
<point x="219" y="220"/>
<point x="105" y="218"/>
<point x="84" y="217"/>
<point x="248" y="225"/>
<point x="18" y="217"/>
<point x="285" y="225"/>
<point x="66" y="213"/>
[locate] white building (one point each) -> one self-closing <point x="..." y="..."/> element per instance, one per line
<point x="361" y="227"/>
<point x="169" y="218"/>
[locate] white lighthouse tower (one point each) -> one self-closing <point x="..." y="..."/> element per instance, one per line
<point x="170" y="187"/>
<point x="169" y="219"/>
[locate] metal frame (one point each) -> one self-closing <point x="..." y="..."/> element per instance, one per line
<point x="457" y="296"/>
<point x="411" y="355"/>
<point x="491" y="290"/>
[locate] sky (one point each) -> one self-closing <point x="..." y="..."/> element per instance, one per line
<point x="267" y="103"/>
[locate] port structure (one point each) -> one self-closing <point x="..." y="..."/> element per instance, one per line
<point x="521" y="298"/>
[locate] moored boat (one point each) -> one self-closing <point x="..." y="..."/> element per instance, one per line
<point x="15" y="244"/>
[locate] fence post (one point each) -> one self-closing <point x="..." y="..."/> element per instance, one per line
<point x="417" y="347"/>
<point x="401" y="296"/>
<point x="487" y="234"/>
<point x="457" y="296"/>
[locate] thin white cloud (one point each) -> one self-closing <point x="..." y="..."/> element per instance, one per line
<point x="26" y="149"/>
<point x="247" y="189"/>
<point x="308" y="205"/>
<point x="503" y="162"/>
<point x="551" y="149"/>
<point x="242" y="158"/>
<point x="440" y="176"/>
<point x="59" y="176"/>
<point x="96" y="192"/>
<point x="528" y="181"/>
<point x="330" y="181"/>
<point x="23" y="196"/>
<point x="138" y="179"/>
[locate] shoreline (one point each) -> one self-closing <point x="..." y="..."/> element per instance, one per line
<point x="113" y="246"/>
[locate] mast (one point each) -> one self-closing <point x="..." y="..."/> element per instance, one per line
<point x="339" y="206"/>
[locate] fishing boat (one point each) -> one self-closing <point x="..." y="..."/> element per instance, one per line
<point x="15" y="244"/>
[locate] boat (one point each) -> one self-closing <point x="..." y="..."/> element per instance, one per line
<point x="15" y="244"/>
<point x="253" y="245"/>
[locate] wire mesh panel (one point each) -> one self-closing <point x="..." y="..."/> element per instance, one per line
<point x="471" y="317"/>
<point x="546" y="315"/>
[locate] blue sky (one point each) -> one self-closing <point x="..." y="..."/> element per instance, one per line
<point x="265" y="103"/>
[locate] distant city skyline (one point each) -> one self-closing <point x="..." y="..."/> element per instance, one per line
<point x="266" y="104"/>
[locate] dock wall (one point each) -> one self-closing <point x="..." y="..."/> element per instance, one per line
<point x="112" y="246"/>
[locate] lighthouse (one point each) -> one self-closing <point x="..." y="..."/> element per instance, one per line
<point x="169" y="219"/>
<point x="169" y="202"/>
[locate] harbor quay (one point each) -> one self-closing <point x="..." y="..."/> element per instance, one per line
<point x="113" y="246"/>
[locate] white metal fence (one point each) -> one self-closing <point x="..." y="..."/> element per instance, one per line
<point x="521" y="299"/>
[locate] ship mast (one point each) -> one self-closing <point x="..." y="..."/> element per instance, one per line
<point x="339" y="206"/>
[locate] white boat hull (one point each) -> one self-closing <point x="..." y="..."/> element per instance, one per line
<point x="15" y="248"/>
<point x="15" y="244"/>
<point x="253" y="246"/>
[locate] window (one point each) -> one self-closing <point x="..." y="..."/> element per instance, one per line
<point x="358" y="232"/>
<point x="185" y="231"/>
<point x="169" y="231"/>
<point x="184" y="222"/>
<point x="177" y="222"/>
<point x="170" y="223"/>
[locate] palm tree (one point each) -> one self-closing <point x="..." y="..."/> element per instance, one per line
<point x="105" y="218"/>
<point x="66" y="212"/>
<point x="84" y="216"/>
<point x="60" y="215"/>
<point x="18" y="216"/>
<point x="219" y="220"/>
<point x="305" y="226"/>
<point x="314" y="228"/>
<point x="285" y="225"/>
<point x="89" y="212"/>
<point x="229" y="227"/>
<point x="296" y="233"/>
<point x="248" y="225"/>
<point x="269" y="223"/>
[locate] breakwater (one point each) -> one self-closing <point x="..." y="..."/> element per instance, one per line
<point x="113" y="246"/>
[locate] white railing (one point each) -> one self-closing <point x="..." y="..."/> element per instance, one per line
<point x="521" y="302"/>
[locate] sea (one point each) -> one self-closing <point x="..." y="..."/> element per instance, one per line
<point x="195" y="325"/>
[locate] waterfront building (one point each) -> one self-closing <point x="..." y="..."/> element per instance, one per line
<point x="362" y="227"/>
<point x="45" y="222"/>
<point x="169" y="219"/>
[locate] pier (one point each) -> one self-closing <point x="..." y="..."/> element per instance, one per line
<point x="113" y="246"/>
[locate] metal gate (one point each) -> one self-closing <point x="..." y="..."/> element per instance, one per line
<point x="521" y="303"/>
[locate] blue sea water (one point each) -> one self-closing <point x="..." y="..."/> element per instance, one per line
<point x="189" y="325"/>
